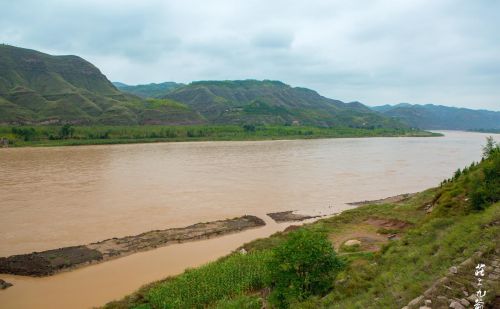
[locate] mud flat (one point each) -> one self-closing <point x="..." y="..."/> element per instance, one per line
<point x="289" y="216"/>
<point x="393" y="199"/>
<point x="49" y="262"/>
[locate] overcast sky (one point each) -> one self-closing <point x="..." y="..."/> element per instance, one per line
<point x="376" y="52"/>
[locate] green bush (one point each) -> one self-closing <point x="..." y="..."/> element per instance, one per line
<point x="487" y="190"/>
<point x="304" y="265"/>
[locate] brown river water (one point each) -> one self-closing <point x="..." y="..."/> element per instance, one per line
<point x="63" y="196"/>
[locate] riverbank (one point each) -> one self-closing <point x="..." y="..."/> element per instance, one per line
<point x="62" y="259"/>
<point x="46" y="136"/>
<point x="396" y="253"/>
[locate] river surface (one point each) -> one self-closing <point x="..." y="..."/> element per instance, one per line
<point x="62" y="196"/>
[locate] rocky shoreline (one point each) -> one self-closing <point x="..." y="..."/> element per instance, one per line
<point x="49" y="262"/>
<point x="289" y="216"/>
<point x="392" y="199"/>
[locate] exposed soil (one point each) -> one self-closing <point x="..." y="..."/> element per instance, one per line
<point x="52" y="261"/>
<point x="370" y="241"/>
<point x="289" y="216"/>
<point x="388" y="223"/>
<point x="393" y="199"/>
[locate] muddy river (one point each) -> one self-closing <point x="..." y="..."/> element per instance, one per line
<point x="63" y="196"/>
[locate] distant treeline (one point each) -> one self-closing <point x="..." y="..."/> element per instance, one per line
<point x="82" y="135"/>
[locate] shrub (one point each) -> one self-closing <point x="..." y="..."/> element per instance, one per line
<point x="304" y="265"/>
<point x="486" y="191"/>
<point x="26" y="134"/>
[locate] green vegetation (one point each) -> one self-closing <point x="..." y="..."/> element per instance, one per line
<point x="304" y="265"/>
<point x="197" y="288"/>
<point x="437" y="229"/>
<point x="86" y="135"/>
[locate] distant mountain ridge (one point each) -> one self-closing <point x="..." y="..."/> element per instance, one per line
<point x="37" y="88"/>
<point x="273" y="102"/>
<point x="439" y="117"/>
<point x="148" y="90"/>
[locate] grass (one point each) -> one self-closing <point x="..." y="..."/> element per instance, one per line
<point x="95" y="135"/>
<point x="219" y="281"/>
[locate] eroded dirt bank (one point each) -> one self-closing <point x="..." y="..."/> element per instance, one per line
<point x="52" y="261"/>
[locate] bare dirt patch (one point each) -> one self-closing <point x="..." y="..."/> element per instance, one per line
<point x="388" y="223"/>
<point x="51" y="261"/>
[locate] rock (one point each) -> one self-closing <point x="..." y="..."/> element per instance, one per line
<point x="4" y="284"/>
<point x="442" y="298"/>
<point x="465" y="302"/>
<point x="428" y="302"/>
<point x="424" y="307"/>
<point x="472" y="298"/>
<point x="392" y="236"/>
<point x="352" y="242"/>
<point x="243" y="251"/>
<point x="416" y="301"/>
<point x="465" y="293"/>
<point x="493" y="276"/>
<point x="453" y="270"/>
<point x="456" y="305"/>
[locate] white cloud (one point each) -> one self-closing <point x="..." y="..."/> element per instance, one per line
<point x="373" y="51"/>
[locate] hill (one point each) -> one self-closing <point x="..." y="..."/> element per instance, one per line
<point x="149" y="90"/>
<point x="431" y="116"/>
<point x="37" y="88"/>
<point x="273" y="102"/>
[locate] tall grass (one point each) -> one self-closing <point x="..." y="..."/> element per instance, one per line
<point x="200" y="287"/>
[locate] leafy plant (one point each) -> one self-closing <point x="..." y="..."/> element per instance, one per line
<point x="304" y="265"/>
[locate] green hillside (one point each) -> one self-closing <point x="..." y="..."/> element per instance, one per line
<point x="37" y="88"/>
<point x="436" y="117"/>
<point x="273" y="102"/>
<point x="149" y="90"/>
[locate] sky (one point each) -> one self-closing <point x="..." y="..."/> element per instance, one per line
<point x="375" y="52"/>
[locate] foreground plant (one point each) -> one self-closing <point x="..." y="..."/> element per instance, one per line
<point x="304" y="265"/>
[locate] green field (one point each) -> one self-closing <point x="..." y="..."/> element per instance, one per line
<point x="19" y="136"/>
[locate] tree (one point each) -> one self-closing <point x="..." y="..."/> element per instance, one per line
<point x="490" y="147"/>
<point x="249" y="127"/>
<point x="67" y="131"/>
<point x="304" y="265"/>
<point x="26" y="134"/>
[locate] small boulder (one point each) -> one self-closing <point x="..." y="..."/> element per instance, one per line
<point x="465" y="302"/>
<point x="428" y="302"/>
<point x="456" y="305"/>
<point x="352" y="242"/>
<point x="454" y="270"/>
